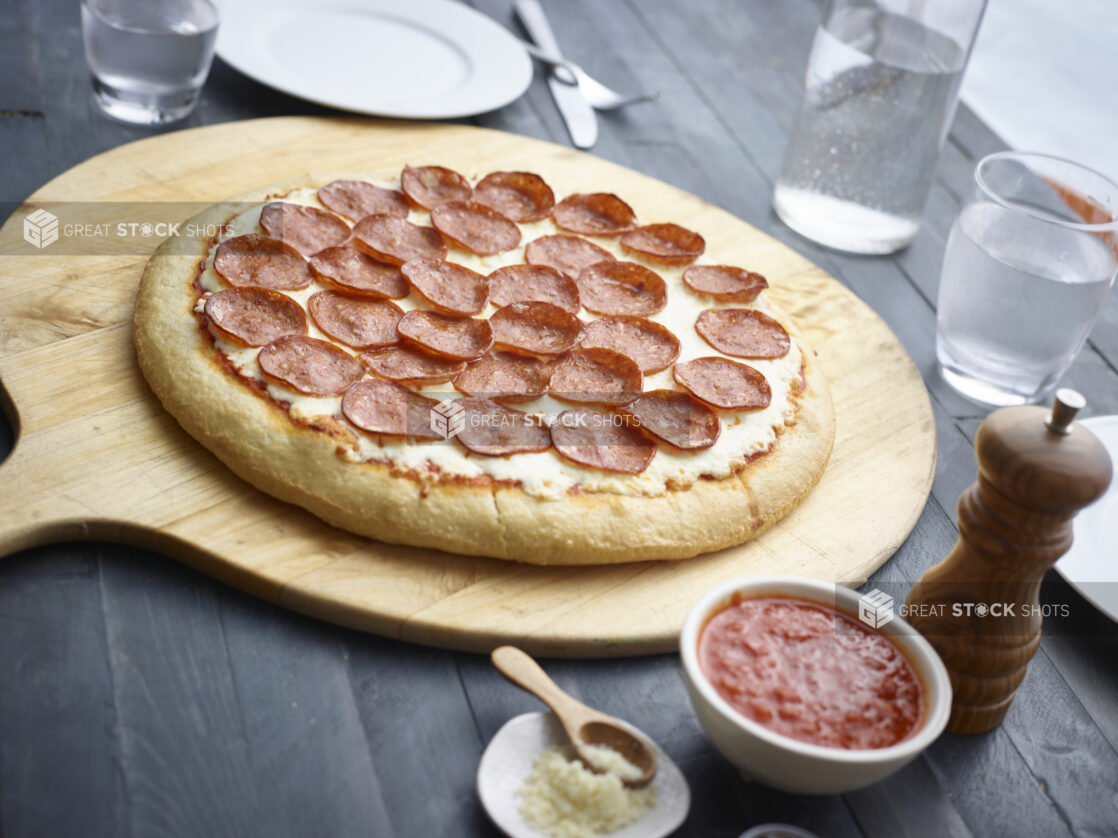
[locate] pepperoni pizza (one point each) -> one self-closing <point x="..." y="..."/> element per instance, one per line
<point x="476" y="366"/>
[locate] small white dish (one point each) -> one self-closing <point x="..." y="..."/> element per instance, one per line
<point x="508" y="759"/>
<point x="420" y="59"/>
<point x="1091" y="565"/>
<point x="789" y="764"/>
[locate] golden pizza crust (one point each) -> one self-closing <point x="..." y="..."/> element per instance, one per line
<point x="260" y="443"/>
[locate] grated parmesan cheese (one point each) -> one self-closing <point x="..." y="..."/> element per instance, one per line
<point x="562" y="798"/>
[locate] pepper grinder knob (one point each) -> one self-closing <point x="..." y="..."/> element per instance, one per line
<point x="1067" y="403"/>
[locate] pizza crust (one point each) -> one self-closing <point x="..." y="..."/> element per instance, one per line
<point x="260" y="443"/>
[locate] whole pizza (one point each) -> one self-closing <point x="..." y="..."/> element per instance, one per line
<point x="479" y="365"/>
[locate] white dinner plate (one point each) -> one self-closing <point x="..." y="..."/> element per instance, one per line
<point x="418" y="59"/>
<point x="1091" y="565"/>
<point x="508" y="759"/>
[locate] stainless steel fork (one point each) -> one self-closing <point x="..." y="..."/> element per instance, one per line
<point x="593" y="91"/>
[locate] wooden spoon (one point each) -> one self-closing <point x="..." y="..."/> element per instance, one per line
<point x="583" y="725"/>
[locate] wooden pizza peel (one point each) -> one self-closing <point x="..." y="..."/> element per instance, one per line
<point x="97" y="457"/>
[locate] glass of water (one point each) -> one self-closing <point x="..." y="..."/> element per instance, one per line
<point x="148" y="58"/>
<point x="1029" y="262"/>
<point x="882" y="83"/>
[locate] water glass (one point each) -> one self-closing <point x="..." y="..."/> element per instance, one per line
<point x="148" y="58"/>
<point x="880" y="93"/>
<point x="1029" y="262"/>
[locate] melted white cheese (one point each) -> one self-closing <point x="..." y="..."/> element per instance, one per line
<point x="543" y="474"/>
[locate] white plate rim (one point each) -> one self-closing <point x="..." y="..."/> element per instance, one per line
<point x="667" y="774"/>
<point x="442" y="15"/>
<point x="1102" y="427"/>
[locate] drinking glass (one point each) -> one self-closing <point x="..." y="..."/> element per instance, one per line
<point x="882" y="83"/>
<point x="148" y="58"/>
<point x="1028" y="264"/>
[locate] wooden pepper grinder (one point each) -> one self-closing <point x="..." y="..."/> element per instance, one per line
<point x="980" y="607"/>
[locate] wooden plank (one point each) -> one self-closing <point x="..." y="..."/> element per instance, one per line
<point x="420" y="730"/>
<point x="19" y="67"/>
<point x="179" y="728"/>
<point x="59" y="767"/>
<point x="308" y="758"/>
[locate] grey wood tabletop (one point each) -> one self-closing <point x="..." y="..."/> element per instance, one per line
<point x="140" y="698"/>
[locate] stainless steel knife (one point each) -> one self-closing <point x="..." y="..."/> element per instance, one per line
<point x="579" y="117"/>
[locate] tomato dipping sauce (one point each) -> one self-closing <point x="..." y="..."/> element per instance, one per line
<point x="805" y="670"/>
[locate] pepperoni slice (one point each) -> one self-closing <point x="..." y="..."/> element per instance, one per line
<point x="622" y="288"/>
<point x="348" y="269"/>
<point x="596" y="376"/>
<point x="677" y="418"/>
<point x="475" y="227"/>
<point x="743" y="333"/>
<point x="445" y="335"/>
<point x="254" y="316"/>
<point x="724" y="282"/>
<point x="567" y="254"/>
<point x="602" y="440"/>
<point x="397" y="240"/>
<point x="359" y="322"/>
<point x="594" y="214"/>
<point x="651" y="345"/>
<point x="355" y="199"/>
<point x="450" y="288"/>
<point x="493" y="430"/>
<point x="262" y="261"/>
<point x="723" y="383"/>
<point x="429" y="186"/>
<point x="307" y="229"/>
<point x="533" y="283"/>
<point x="386" y="408"/>
<point x="505" y="377"/>
<point x="411" y="366"/>
<point x="521" y="196"/>
<point x="669" y="244"/>
<point x="309" y="365"/>
<point x="537" y="328"/>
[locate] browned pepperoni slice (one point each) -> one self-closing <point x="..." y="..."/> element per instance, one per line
<point x="532" y="283"/>
<point x="521" y="196"/>
<point x="307" y="229"/>
<point x="360" y="322"/>
<point x="622" y="288"/>
<point x="594" y="214"/>
<point x="446" y="335"/>
<point x="254" y="316"/>
<point x="666" y="243"/>
<point x="263" y="262"/>
<point x="602" y="440"/>
<point x="355" y="199"/>
<point x="494" y="430"/>
<point x="537" y="328"/>
<point x="677" y="418"/>
<point x="411" y="366"/>
<point x="348" y="269"/>
<point x="723" y="383"/>
<point x="397" y="240"/>
<point x="743" y="332"/>
<point x="448" y="287"/>
<point x="567" y="254"/>
<point x="385" y="408"/>
<point x="505" y="377"/>
<point x="475" y="227"/>
<point x="596" y="376"/>
<point x="724" y="282"/>
<point x="651" y="345"/>
<point x="429" y="186"/>
<point x="309" y="365"/>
